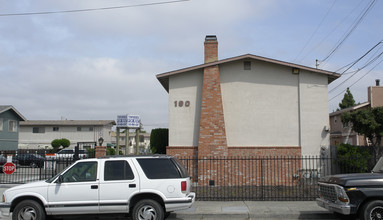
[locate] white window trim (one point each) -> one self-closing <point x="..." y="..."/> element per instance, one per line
<point x="9" y="125"/>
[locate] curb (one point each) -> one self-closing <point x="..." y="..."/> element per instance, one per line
<point x="260" y="216"/>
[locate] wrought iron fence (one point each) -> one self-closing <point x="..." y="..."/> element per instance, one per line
<point x="229" y="178"/>
<point x="264" y="178"/>
<point x="33" y="165"/>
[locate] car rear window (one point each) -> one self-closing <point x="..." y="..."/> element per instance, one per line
<point x="161" y="168"/>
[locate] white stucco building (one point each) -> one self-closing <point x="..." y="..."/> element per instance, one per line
<point x="247" y="105"/>
<point x="38" y="134"/>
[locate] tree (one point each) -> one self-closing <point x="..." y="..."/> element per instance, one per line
<point x="367" y="122"/>
<point x="57" y="143"/>
<point x="159" y="140"/>
<point x="347" y="101"/>
<point x="65" y="143"/>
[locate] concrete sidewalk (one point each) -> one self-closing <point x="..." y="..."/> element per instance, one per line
<point x="257" y="210"/>
<point x="254" y="210"/>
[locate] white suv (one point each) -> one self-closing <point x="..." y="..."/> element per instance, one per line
<point x="146" y="187"/>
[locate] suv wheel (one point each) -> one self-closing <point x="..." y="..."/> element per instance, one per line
<point x="28" y="209"/>
<point x="372" y="210"/>
<point x="148" y="209"/>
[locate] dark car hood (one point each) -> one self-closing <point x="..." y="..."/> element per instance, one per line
<point x="356" y="179"/>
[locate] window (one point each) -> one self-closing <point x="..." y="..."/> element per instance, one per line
<point x="1" y="124"/>
<point x="84" y="128"/>
<point x="55" y="128"/>
<point x="81" y="172"/>
<point x="38" y="130"/>
<point x="118" y="170"/>
<point x="247" y="65"/>
<point x="335" y="119"/>
<point x="12" y="126"/>
<point x="160" y="168"/>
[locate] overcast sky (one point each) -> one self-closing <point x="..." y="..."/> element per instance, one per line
<point x="98" y="64"/>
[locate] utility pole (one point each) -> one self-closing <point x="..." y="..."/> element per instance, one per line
<point x="126" y="141"/>
<point x="137" y="141"/>
<point x="118" y="141"/>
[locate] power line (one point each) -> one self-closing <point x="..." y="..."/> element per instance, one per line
<point x="333" y="30"/>
<point x="316" y="30"/>
<point x="369" y="62"/>
<point x="349" y="32"/>
<point x="91" y="9"/>
<point x="357" y="80"/>
<point x="357" y="60"/>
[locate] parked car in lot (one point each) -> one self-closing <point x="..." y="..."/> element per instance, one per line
<point x="354" y="194"/>
<point x="3" y="160"/>
<point x="69" y="153"/>
<point x="32" y="160"/>
<point x="145" y="187"/>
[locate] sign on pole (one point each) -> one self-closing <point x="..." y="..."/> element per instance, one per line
<point x="122" y="121"/>
<point x="9" y="168"/>
<point x="134" y="121"/>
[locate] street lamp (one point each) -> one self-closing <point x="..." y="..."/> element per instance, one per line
<point x="100" y="141"/>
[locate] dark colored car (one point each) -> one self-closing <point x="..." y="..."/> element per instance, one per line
<point x="3" y="160"/>
<point x="32" y="160"/>
<point x="354" y="194"/>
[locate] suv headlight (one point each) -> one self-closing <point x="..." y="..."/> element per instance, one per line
<point x="341" y="194"/>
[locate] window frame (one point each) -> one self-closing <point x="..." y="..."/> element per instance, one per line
<point x="12" y="128"/>
<point x="69" y="173"/>
<point x="1" y="124"/>
<point x="247" y="65"/>
<point x="40" y="130"/>
<point x="126" y="171"/>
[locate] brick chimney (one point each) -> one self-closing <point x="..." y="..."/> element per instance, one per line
<point x="212" y="132"/>
<point x="211" y="48"/>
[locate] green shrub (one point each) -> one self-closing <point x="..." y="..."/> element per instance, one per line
<point x="65" y="142"/>
<point x="110" y="151"/>
<point x="353" y="159"/>
<point x="159" y="140"/>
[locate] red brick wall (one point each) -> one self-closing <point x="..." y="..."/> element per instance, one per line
<point x="212" y="133"/>
<point x="265" y="151"/>
<point x="182" y="151"/>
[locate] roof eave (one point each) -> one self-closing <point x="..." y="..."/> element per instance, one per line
<point x="21" y="117"/>
<point x="163" y="78"/>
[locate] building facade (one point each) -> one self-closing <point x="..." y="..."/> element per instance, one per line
<point x="143" y="142"/>
<point x="38" y="134"/>
<point x="247" y="106"/>
<point x="343" y="133"/>
<point x="10" y="120"/>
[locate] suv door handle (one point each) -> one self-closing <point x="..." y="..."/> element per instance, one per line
<point x="132" y="185"/>
<point x="94" y="187"/>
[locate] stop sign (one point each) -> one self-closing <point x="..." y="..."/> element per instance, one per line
<point x="9" y="168"/>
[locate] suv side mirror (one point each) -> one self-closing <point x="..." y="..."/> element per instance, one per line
<point x="60" y="179"/>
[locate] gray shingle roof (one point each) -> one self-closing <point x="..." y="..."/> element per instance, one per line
<point x="4" y="108"/>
